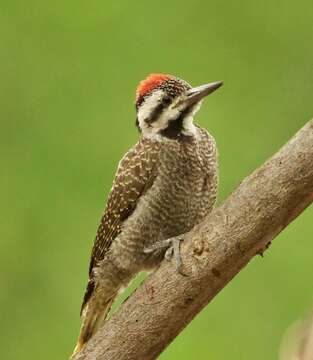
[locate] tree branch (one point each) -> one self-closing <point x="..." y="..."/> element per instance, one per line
<point x="213" y="253"/>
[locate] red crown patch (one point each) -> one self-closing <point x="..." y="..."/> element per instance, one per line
<point x="150" y="83"/>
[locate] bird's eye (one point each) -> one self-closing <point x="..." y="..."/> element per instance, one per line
<point x="166" y="100"/>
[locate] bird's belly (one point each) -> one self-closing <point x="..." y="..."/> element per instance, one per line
<point x="169" y="208"/>
<point x="181" y="209"/>
<point x="158" y="218"/>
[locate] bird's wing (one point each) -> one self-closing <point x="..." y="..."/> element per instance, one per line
<point x="135" y="174"/>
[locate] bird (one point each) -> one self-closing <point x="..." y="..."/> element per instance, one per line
<point x="164" y="185"/>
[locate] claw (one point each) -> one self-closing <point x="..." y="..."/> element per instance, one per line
<point x="169" y="253"/>
<point x="157" y="246"/>
<point x="173" y="248"/>
<point x="176" y="253"/>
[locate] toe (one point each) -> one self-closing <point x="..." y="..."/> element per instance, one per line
<point x="169" y="253"/>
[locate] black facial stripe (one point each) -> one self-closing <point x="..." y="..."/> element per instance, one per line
<point x="175" y="126"/>
<point x="172" y="88"/>
<point x="157" y="111"/>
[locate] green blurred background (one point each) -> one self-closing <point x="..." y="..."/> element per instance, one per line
<point x="68" y="73"/>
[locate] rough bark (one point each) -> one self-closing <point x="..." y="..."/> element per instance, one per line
<point x="213" y="253"/>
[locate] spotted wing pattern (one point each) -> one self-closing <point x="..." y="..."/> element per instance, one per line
<point x="135" y="174"/>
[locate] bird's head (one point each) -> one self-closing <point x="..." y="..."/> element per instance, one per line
<point x="166" y="105"/>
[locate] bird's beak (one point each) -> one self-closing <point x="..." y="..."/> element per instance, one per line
<point x="196" y="94"/>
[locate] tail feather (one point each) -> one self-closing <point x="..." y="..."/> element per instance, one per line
<point x="92" y="319"/>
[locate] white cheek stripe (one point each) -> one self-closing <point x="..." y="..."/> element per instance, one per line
<point x="152" y="130"/>
<point x="188" y="126"/>
<point x="147" y="107"/>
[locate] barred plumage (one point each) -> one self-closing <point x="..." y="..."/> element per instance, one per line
<point x="164" y="186"/>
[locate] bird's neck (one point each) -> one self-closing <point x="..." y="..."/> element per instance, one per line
<point x="181" y="127"/>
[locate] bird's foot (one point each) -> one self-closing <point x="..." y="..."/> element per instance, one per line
<point x="173" y="248"/>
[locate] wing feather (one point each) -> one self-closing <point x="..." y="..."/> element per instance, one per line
<point x="135" y="174"/>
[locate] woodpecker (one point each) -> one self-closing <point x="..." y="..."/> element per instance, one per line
<point x="164" y="185"/>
